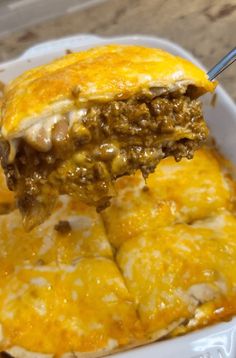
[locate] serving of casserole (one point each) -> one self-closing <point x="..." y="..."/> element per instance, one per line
<point x="77" y="124"/>
<point x="158" y="262"/>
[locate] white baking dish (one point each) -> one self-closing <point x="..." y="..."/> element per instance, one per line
<point x="218" y="341"/>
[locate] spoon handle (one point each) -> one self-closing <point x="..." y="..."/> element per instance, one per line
<point x="225" y="62"/>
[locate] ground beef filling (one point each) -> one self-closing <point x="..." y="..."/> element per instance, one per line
<point x="111" y="140"/>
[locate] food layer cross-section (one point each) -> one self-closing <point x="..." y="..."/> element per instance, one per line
<point x="75" y="125"/>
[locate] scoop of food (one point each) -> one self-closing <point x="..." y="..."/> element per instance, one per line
<point x="75" y="125"/>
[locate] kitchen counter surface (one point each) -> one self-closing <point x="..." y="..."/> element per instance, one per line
<point x="205" y="28"/>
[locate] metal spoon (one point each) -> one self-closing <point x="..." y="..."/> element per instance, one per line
<point x="225" y="62"/>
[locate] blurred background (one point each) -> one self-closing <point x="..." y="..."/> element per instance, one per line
<point x="207" y="28"/>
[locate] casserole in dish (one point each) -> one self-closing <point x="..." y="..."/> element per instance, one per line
<point x="146" y="280"/>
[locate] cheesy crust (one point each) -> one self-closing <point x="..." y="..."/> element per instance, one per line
<point x="61" y="277"/>
<point x="73" y="231"/>
<point x="155" y="264"/>
<point x="198" y="187"/>
<point x="177" y="272"/>
<point x="83" y="307"/>
<point x="78" y="79"/>
<point x="177" y="192"/>
<point x="134" y="209"/>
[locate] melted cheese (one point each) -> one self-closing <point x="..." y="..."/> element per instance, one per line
<point x="175" y="271"/>
<point x="172" y="268"/>
<point x="134" y="209"/>
<point x="198" y="187"/>
<point x="101" y="74"/>
<point x="49" y="281"/>
<point x="48" y="312"/>
<point x="177" y="192"/>
<point x="45" y="245"/>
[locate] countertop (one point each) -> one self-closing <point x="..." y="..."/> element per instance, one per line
<point x="207" y="28"/>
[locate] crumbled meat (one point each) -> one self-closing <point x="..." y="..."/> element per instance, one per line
<point x="111" y="140"/>
<point x="63" y="227"/>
